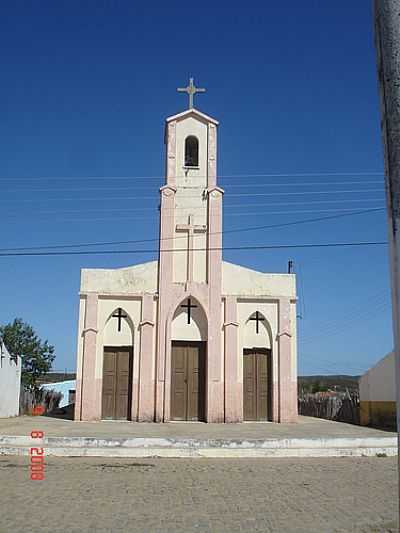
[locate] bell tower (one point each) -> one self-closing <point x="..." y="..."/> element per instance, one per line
<point x="190" y="255"/>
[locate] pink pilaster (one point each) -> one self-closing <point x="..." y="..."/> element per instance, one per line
<point x="165" y="280"/>
<point x="212" y="156"/>
<point x="171" y="153"/>
<point x="233" y="389"/>
<point x="287" y="382"/>
<point x="78" y="395"/>
<point x="275" y="388"/>
<point x="91" y="386"/>
<point x="215" y="372"/>
<point x="146" y="376"/>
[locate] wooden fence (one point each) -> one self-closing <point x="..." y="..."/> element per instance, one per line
<point x="48" y="399"/>
<point x="342" y="408"/>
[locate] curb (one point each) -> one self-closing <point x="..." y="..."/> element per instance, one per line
<point x="211" y="448"/>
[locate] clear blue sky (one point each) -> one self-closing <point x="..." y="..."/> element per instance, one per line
<point x="85" y="88"/>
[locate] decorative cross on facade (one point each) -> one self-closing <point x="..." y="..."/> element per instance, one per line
<point x="191" y="90"/>
<point x="191" y="229"/>
<point x="120" y="316"/>
<point x="258" y="318"/>
<point x="189" y="306"/>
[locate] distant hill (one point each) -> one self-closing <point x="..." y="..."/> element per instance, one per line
<point x="340" y="382"/>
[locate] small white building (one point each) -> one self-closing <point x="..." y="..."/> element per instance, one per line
<point x="66" y="388"/>
<point x="10" y="382"/>
<point x="378" y="394"/>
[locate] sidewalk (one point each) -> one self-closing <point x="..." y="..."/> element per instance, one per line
<point x="311" y="437"/>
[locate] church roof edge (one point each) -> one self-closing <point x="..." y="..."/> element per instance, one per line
<point x="192" y="111"/>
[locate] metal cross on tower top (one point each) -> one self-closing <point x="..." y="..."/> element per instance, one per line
<point x="191" y="90"/>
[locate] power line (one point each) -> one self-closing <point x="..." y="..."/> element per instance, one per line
<point x="301" y="193"/>
<point x="226" y="176"/>
<point x="126" y="198"/>
<point x="246" y="213"/>
<point x="362" y="310"/>
<point x="238" y="230"/>
<point x="206" y="249"/>
<point x="261" y="186"/>
<point x="226" y="214"/>
<point x="376" y="304"/>
<point x="226" y="207"/>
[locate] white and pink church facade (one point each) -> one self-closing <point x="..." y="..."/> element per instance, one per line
<point x="190" y="336"/>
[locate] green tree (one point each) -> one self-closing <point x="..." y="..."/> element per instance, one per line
<point x="318" y="386"/>
<point x="37" y="356"/>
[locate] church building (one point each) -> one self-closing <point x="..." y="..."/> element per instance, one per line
<point x="189" y="337"/>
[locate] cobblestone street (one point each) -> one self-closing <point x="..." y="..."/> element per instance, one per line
<point x="224" y="495"/>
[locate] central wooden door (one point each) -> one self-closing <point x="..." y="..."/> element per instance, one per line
<point x="117" y="383"/>
<point x="188" y="380"/>
<point x="257" y="384"/>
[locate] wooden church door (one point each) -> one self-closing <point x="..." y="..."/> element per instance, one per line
<point x="188" y="381"/>
<point x="256" y="384"/>
<point x="117" y="383"/>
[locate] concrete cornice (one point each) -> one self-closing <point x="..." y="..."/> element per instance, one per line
<point x="139" y="295"/>
<point x="284" y="333"/>
<point x="226" y="324"/>
<point x="277" y="298"/>
<point x="215" y="188"/>
<point x="122" y="295"/>
<point x="190" y="112"/>
<point x="146" y="322"/>
<point x="86" y="330"/>
<point x="168" y="187"/>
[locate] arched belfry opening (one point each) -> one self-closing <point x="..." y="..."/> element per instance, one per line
<point x="188" y="361"/>
<point x="117" y="366"/>
<point x="191" y="151"/>
<point x="257" y="369"/>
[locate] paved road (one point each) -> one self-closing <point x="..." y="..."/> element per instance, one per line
<point x="201" y="495"/>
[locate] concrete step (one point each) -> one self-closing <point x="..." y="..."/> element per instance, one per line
<point x="181" y="447"/>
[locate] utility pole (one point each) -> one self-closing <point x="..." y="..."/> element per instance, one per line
<point x="387" y="41"/>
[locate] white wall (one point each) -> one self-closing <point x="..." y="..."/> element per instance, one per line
<point x="112" y="336"/>
<point x="10" y="383"/>
<point x="243" y="281"/>
<point x="133" y="279"/>
<point x="196" y="330"/>
<point x="378" y="383"/>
